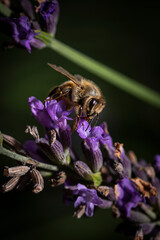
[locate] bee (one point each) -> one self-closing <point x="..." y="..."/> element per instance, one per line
<point x="80" y="93"/>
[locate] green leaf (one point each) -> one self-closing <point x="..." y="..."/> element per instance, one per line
<point x="5" y="10"/>
<point x="97" y="178"/>
<point x="44" y="37"/>
<point x="68" y="159"/>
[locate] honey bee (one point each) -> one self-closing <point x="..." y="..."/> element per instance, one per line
<point x="80" y="93"/>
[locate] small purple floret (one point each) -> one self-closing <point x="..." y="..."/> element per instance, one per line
<point x="57" y="112"/>
<point x="21" y="31"/>
<point x="93" y="136"/>
<point x="51" y="114"/>
<point x="128" y="197"/>
<point x="87" y="197"/>
<point x="157" y="163"/>
<point x="40" y="113"/>
<point x="47" y="9"/>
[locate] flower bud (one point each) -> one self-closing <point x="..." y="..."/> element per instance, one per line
<point x="147" y="227"/>
<point x="57" y="151"/>
<point x="138" y="217"/>
<point x="10" y="184"/>
<point x="16" y="171"/>
<point x="54" y="151"/>
<point x="83" y="170"/>
<point x="94" y="157"/>
<point x="24" y="181"/>
<point x="37" y="180"/>
<point x="65" y="137"/>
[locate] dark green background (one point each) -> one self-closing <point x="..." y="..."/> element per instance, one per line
<point x="123" y="36"/>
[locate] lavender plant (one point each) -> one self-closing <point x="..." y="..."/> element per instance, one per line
<point x="104" y="177"/>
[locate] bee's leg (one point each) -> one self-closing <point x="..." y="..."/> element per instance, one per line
<point x="97" y="118"/>
<point x="66" y="91"/>
<point x="74" y="123"/>
<point x="76" y="119"/>
<point x="58" y="93"/>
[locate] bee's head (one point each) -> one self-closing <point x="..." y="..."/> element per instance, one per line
<point x="95" y="106"/>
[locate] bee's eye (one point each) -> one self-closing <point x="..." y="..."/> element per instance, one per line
<point x="92" y="102"/>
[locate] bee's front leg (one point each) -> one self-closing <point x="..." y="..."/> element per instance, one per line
<point x="57" y="93"/>
<point x="77" y="119"/>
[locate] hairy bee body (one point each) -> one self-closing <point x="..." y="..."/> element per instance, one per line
<point x="80" y="93"/>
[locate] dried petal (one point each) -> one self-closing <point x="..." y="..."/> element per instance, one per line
<point x="132" y="157"/>
<point x="52" y="136"/>
<point x="139" y="235"/>
<point x="126" y="195"/>
<point x="118" y="150"/>
<point x="115" y="211"/>
<point x="104" y="190"/>
<point x="144" y="187"/>
<point x="33" y="131"/>
<point x="79" y="211"/>
<point x="118" y="168"/>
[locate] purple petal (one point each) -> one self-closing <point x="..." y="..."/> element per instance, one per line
<point x="89" y="209"/>
<point x="21" y="31"/>
<point x="49" y="10"/>
<point x="40" y="113"/>
<point x="157" y="162"/>
<point x="79" y="202"/>
<point x="83" y="129"/>
<point x="31" y="147"/>
<point x="128" y="197"/>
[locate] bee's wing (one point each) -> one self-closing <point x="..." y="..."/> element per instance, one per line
<point x="66" y="73"/>
<point x="78" y="77"/>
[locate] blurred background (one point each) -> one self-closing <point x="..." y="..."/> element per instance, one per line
<point x="123" y="36"/>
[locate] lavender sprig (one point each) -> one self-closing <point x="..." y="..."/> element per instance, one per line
<point x="106" y="177"/>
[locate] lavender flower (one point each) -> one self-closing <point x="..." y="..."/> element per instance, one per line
<point x="88" y="198"/>
<point x="127" y="196"/>
<point x="57" y="112"/>
<point x="21" y="31"/>
<point x="49" y="10"/>
<point x="96" y="134"/>
<point x="51" y="114"/>
<point x="91" y="146"/>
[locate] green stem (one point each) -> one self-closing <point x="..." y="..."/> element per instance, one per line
<point x="5" y="10"/>
<point x="106" y="73"/>
<point x="24" y="159"/>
